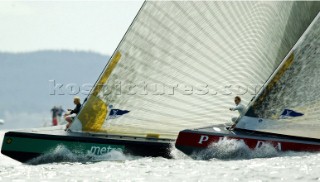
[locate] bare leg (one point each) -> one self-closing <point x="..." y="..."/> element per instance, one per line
<point x="68" y="125"/>
<point x="69" y="120"/>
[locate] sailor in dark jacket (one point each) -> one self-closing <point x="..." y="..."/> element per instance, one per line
<point x="72" y="113"/>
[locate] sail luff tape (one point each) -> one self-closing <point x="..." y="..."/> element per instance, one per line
<point x="103" y="79"/>
<point x="276" y="78"/>
<point x="94" y="112"/>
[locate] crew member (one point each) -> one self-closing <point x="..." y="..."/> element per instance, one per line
<point x="72" y="113"/>
<point x="239" y="107"/>
<point x="54" y="112"/>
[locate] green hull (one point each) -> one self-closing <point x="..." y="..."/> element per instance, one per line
<point x="26" y="146"/>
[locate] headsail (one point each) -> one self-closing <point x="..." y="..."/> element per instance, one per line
<point x="182" y="62"/>
<point x="290" y="102"/>
<point x="94" y="113"/>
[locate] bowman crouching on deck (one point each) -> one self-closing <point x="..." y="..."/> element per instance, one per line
<point x="71" y="114"/>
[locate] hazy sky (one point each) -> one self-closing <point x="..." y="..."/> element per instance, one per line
<point x="74" y="25"/>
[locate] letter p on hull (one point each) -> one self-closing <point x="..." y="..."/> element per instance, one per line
<point x="203" y="138"/>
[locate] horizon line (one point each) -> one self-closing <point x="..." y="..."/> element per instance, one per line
<point x="53" y="50"/>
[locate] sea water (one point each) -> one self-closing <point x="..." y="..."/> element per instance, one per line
<point x="232" y="161"/>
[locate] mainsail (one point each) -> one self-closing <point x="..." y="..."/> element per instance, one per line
<point x="180" y="64"/>
<point x="290" y="102"/>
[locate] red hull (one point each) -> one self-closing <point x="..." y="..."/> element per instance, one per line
<point x="191" y="141"/>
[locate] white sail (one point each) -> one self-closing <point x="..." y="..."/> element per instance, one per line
<point x="291" y="105"/>
<point x="181" y="63"/>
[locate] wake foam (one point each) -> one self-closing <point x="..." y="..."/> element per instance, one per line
<point x="225" y="149"/>
<point x="63" y="154"/>
<point x="231" y="149"/>
<point x="177" y="154"/>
